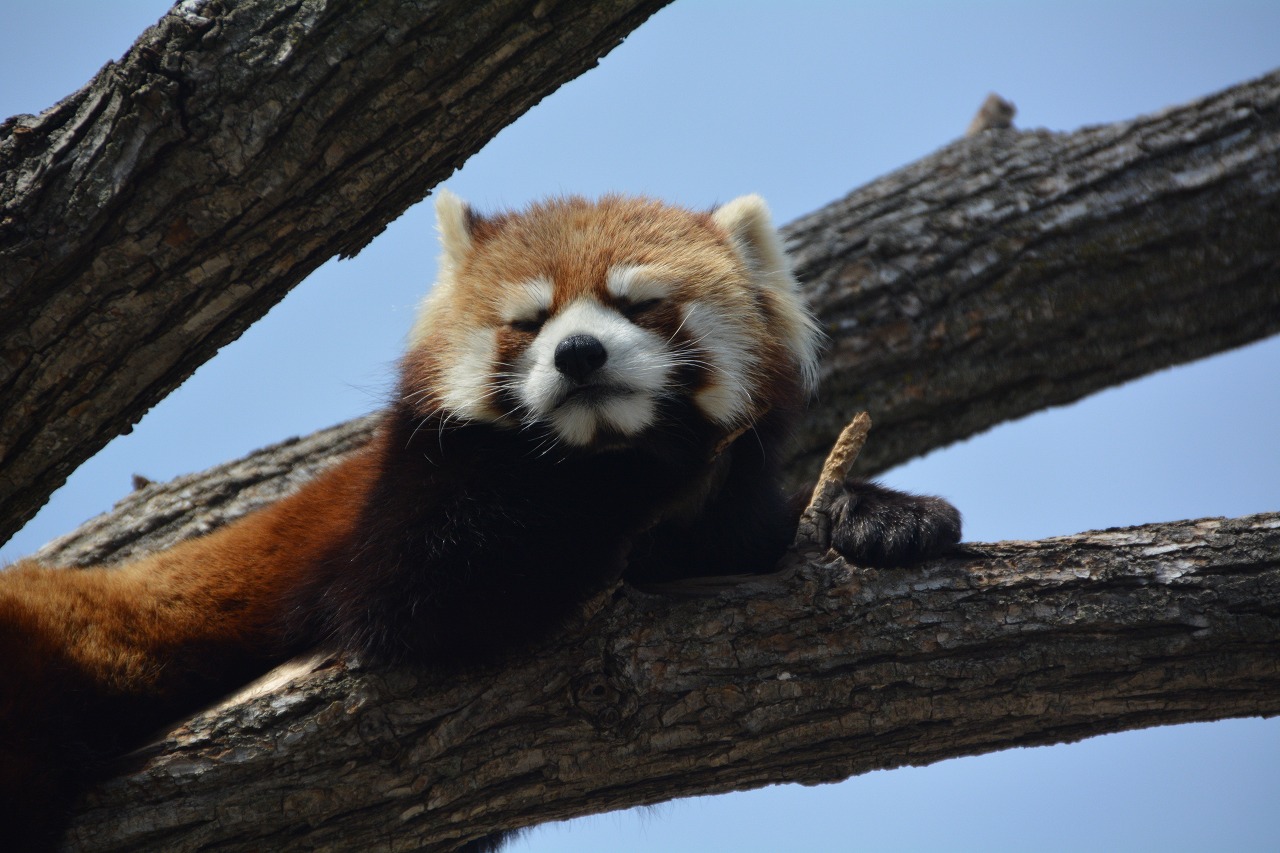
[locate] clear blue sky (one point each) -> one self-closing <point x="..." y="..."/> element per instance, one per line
<point x="801" y="102"/>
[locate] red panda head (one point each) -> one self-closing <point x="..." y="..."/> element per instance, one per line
<point x="582" y="318"/>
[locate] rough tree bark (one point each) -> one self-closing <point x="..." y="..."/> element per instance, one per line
<point x="148" y="219"/>
<point x="1010" y="272"/>
<point x="816" y="674"/>
<point x="1007" y="272"/>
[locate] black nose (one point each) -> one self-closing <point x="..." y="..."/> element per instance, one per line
<point x="578" y="356"/>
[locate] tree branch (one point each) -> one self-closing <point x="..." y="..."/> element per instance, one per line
<point x="813" y="675"/>
<point x="149" y="218"/>
<point x="1013" y="271"/>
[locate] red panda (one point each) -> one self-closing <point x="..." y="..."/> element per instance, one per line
<point x="592" y="391"/>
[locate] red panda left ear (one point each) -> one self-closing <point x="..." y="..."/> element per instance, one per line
<point x="454" y="221"/>
<point x="750" y="228"/>
<point x="747" y="221"/>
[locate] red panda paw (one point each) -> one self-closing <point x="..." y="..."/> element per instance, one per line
<point x="875" y="526"/>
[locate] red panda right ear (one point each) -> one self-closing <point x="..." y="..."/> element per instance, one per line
<point x="454" y="221"/>
<point x="456" y="224"/>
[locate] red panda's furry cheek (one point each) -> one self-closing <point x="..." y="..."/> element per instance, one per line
<point x="467" y="389"/>
<point x="730" y="354"/>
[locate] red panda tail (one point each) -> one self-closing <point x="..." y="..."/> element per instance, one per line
<point x="96" y="659"/>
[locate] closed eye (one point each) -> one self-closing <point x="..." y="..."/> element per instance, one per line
<point x="635" y="309"/>
<point x="529" y="325"/>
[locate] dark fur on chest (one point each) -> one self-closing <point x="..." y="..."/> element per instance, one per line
<point x="475" y="539"/>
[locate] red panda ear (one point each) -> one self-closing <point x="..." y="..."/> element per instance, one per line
<point x="454" y="221"/>
<point x="750" y="226"/>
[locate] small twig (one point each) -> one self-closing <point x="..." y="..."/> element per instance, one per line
<point x="815" y="521"/>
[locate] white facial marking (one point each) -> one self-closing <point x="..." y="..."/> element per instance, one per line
<point x="468" y="381"/>
<point x="629" y="415"/>
<point x="622" y="393"/>
<point x="728" y="348"/>
<point x="636" y="283"/>
<point x="526" y="301"/>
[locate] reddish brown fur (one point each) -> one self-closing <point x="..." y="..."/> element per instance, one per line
<point x="111" y="653"/>
<point x="404" y="551"/>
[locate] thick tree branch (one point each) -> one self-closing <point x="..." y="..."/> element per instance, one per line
<point x="1010" y="271"/>
<point x="149" y="218"/>
<point x="816" y="674"/>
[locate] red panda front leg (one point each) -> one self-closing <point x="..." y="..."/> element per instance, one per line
<point x="747" y="524"/>
<point x="747" y="533"/>
<point x="743" y="527"/>
<point x="876" y="526"/>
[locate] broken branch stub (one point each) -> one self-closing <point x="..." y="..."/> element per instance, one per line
<point x="814" y="530"/>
